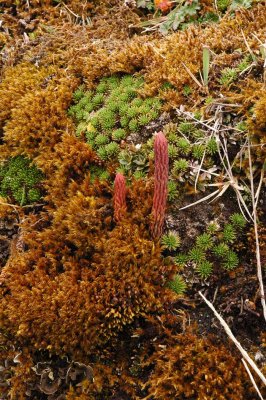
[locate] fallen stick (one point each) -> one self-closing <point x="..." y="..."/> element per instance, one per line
<point x="236" y="342"/>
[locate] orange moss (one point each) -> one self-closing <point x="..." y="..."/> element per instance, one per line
<point x="39" y="118"/>
<point x="80" y="283"/>
<point x="18" y="81"/>
<point x="194" y="367"/>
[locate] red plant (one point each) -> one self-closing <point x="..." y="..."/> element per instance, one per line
<point x="119" y="196"/>
<point x="161" y="161"/>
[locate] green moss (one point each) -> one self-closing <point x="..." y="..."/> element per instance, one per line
<point x="181" y="259"/>
<point x="204" y="269"/>
<point x="101" y="140"/>
<point x="204" y="241"/>
<point x="212" y="228"/>
<point x="127" y="80"/>
<point x="180" y="165"/>
<point x="198" y="151"/>
<point x="119" y="134"/>
<point x="230" y="260"/>
<point x="78" y="94"/>
<point x="111" y="149"/>
<point x="113" y="110"/>
<point x="102" y="87"/>
<point x="139" y="174"/>
<point x="178" y="285"/>
<point x="171" y="241"/>
<point x="221" y="250"/>
<point x="172" y="151"/>
<point x="107" y="119"/>
<point x="238" y="221"/>
<point x="229" y="233"/>
<point x="137" y="102"/>
<point x="102" y="153"/>
<point x="143" y="120"/>
<point x="228" y="76"/>
<point x="183" y="146"/>
<point x="222" y="5"/>
<point x="124" y="121"/>
<point x="133" y="125"/>
<point x="20" y="180"/>
<point x="212" y="147"/>
<point x="197" y="255"/>
<point x="187" y="90"/>
<point x="132" y="112"/>
<point x="172" y="137"/>
<point x="172" y="190"/>
<point x="81" y="128"/>
<point x="186" y="127"/>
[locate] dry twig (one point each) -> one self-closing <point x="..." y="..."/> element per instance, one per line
<point x="254" y="206"/>
<point x="236" y="342"/>
<point x="252" y="379"/>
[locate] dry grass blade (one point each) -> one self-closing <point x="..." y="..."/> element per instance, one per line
<point x="248" y="47"/>
<point x="252" y="379"/>
<point x="259" y="269"/>
<point x="201" y="200"/>
<point x="206" y="64"/>
<point x="192" y="75"/>
<point x="236" y="342"/>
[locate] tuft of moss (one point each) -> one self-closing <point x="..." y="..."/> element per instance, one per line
<point x="171" y="241"/>
<point x="186" y="128"/>
<point x="20" y="180"/>
<point x="220" y="250"/>
<point x="229" y="233"/>
<point x="228" y="76"/>
<point x="178" y="285"/>
<point x="119" y="134"/>
<point x="204" y="241"/>
<point x="180" y="165"/>
<point x="238" y="221"/>
<point x="212" y="147"/>
<point x="198" y="151"/>
<point x="183" y="146"/>
<point x="204" y="269"/>
<point x="197" y="255"/>
<point x="230" y="260"/>
<point x="101" y="140"/>
<point x="172" y="190"/>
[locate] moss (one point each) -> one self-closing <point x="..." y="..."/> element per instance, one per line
<point x="204" y="269"/>
<point x="171" y="241"/>
<point x="20" y="180"/>
<point x="180" y="165"/>
<point x="211" y="371"/>
<point x="178" y="285"/>
<point x="172" y="190"/>
<point x="84" y="297"/>
<point x="204" y="241"/>
<point x="229" y="233"/>
<point x="230" y="260"/>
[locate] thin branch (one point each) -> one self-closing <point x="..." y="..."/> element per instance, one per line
<point x="201" y="200"/>
<point x="259" y="269"/>
<point x="257" y="195"/>
<point x="199" y="169"/>
<point x="70" y="11"/>
<point x="252" y="379"/>
<point x="192" y="75"/>
<point x="236" y="342"/>
<point x="248" y="47"/>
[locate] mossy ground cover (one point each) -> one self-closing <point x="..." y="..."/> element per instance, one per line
<point x="92" y="307"/>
